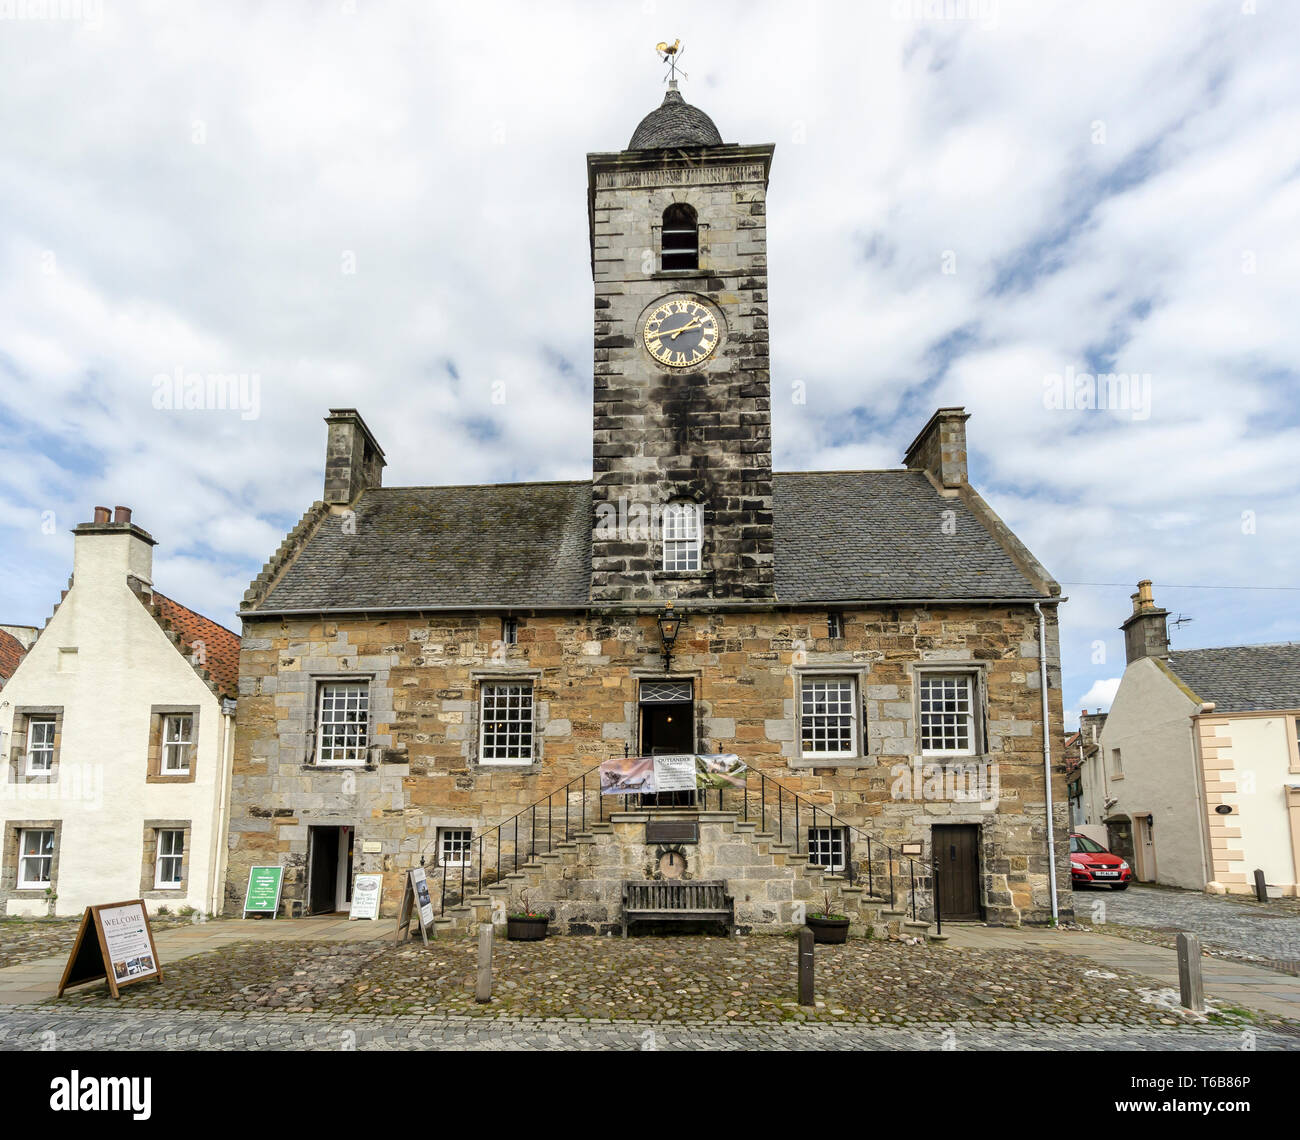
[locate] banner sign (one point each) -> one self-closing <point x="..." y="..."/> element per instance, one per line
<point x="263" y="894"/>
<point x="681" y="772"/>
<point x="420" y="884"/>
<point x="114" y="942"/>
<point x="366" y="890"/>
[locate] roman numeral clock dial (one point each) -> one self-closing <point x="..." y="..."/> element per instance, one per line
<point x="681" y="332"/>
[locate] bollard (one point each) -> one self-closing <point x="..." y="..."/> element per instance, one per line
<point x="1190" y="988"/>
<point x="805" y="966"/>
<point x="483" y="990"/>
<point x="1261" y="887"/>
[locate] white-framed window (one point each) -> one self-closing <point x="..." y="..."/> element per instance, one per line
<point x="834" y="625"/>
<point x="170" y="858"/>
<point x="35" y="859"/>
<point x="454" y="846"/>
<point x="506" y="722"/>
<point x="947" y="714"/>
<point x="828" y="720"/>
<point x="509" y="631"/>
<point x="682" y="535"/>
<point x="826" y="847"/>
<point x="177" y="741"/>
<point x="40" y="745"/>
<point x="343" y="722"/>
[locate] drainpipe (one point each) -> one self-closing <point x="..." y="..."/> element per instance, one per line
<point x="1047" y="754"/>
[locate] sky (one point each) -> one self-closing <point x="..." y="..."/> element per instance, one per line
<point x="383" y="206"/>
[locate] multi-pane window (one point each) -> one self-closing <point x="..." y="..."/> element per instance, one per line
<point x="828" y="717"/>
<point x="453" y="846"/>
<point x="40" y="745"/>
<point x="826" y="847"/>
<point x="834" y="625"/>
<point x="35" y="858"/>
<point x="681" y="237"/>
<point x="681" y="532"/>
<point x="507" y="723"/>
<point x="177" y="741"/>
<point x="343" y="724"/>
<point x="947" y="714"/>
<point x="171" y="856"/>
<point x="510" y="631"/>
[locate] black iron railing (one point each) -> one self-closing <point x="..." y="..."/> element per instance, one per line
<point x="776" y="810"/>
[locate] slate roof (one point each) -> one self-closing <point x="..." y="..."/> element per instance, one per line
<point x="839" y="536"/>
<point x="674" y="122"/>
<point x="1242" y="678"/>
<point x="11" y="652"/>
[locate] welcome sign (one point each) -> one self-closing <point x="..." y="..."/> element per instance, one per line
<point x="113" y="942"/>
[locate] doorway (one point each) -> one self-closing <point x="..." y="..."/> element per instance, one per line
<point x="957" y="867"/>
<point x="667" y="727"/>
<point x="1144" y="866"/>
<point x="329" y="869"/>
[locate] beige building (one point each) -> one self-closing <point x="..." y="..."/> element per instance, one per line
<point x="1197" y="777"/>
<point x="115" y="734"/>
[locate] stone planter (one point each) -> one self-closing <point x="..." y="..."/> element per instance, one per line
<point x="521" y="929"/>
<point x="829" y="931"/>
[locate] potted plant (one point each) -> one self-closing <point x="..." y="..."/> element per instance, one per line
<point x="828" y="928"/>
<point x="526" y="925"/>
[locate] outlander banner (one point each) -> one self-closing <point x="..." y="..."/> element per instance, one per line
<point x="648" y="775"/>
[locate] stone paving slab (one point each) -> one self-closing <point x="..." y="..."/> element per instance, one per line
<point x="748" y="979"/>
<point x="117" y="1030"/>
<point x="1229" y="926"/>
<point x="1236" y="983"/>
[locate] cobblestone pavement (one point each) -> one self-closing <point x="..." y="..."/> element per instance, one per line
<point x="32" y="1028"/>
<point x="1241" y="928"/>
<point x="27" y="939"/>
<point x="749" y="980"/>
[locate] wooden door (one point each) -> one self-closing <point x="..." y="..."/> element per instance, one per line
<point x="957" y="864"/>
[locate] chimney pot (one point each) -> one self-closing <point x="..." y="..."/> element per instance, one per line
<point x="101" y="514"/>
<point x="1145" y="600"/>
<point x="121" y="514"/>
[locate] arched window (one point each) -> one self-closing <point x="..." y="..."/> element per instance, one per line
<point x="681" y="238"/>
<point x="681" y="533"/>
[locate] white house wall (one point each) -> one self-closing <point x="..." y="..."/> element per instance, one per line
<point x="123" y="665"/>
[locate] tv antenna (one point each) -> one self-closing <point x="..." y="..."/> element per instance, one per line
<point x="1181" y="619"/>
<point x="669" y="53"/>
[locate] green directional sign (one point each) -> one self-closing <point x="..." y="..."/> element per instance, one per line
<point x="263" y="894"/>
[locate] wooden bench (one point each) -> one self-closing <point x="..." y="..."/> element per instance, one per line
<point x="697" y="900"/>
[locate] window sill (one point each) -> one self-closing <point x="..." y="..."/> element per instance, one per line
<point x="169" y="778"/>
<point x="340" y="767"/>
<point x="832" y="762"/>
<point x="681" y="575"/>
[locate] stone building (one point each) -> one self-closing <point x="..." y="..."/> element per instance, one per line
<point x="420" y="664"/>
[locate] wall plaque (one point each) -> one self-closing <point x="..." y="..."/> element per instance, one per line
<point x="672" y="831"/>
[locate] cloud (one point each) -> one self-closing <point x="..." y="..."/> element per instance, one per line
<point x="384" y="206"/>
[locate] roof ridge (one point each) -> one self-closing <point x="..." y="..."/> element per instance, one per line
<point x="463" y="486"/>
<point x="1252" y="645"/>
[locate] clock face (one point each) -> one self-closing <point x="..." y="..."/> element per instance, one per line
<point x="681" y="332"/>
<point x="672" y="864"/>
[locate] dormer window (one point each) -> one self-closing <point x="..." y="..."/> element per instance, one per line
<point x="681" y="533"/>
<point x="681" y="238"/>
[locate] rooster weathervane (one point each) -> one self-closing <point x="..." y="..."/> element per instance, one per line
<point x="669" y="52"/>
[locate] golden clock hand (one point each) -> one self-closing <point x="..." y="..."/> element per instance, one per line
<point x="693" y="325"/>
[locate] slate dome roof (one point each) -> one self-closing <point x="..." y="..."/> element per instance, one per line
<point x="674" y="123"/>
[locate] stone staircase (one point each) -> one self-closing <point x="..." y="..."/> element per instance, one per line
<point x="579" y="881"/>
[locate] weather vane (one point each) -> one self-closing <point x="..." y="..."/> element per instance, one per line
<point x="669" y="52"/>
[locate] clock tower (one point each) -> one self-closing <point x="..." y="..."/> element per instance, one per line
<point x="682" y="451"/>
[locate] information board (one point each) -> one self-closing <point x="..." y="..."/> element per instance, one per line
<point x="113" y="942"/>
<point x="263" y="894"/>
<point x="366" y="891"/>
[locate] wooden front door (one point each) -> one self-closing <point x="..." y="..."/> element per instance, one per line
<point x="957" y="864"/>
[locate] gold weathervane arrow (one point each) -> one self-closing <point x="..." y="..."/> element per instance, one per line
<point x="668" y="52"/>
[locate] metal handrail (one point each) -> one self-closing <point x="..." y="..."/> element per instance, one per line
<point x="874" y="846"/>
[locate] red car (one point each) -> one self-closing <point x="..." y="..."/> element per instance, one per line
<point x="1092" y="865"/>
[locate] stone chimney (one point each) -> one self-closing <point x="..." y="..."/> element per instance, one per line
<point x="1146" y="632"/>
<point x="354" y="462"/>
<point x="940" y="449"/>
<point x="112" y="551"/>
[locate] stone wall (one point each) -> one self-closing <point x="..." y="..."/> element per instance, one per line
<point x="423" y="771"/>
